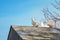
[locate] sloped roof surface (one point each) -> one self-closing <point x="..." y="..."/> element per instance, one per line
<point x="37" y="33"/>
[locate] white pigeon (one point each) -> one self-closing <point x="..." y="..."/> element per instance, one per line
<point x="34" y="23"/>
<point x="43" y="24"/>
<point x="50" y="23"/>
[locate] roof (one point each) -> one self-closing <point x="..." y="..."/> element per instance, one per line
<point x="36" y="33"/>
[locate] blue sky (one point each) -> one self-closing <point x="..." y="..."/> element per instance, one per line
<point x="20" y="12"/>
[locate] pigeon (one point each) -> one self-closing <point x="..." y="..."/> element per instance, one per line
<point x="34" y="23"/>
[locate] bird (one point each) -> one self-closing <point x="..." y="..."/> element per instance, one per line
<point x="43" y="24"/>
<point x="50" y="23"/>
<point x="34" y="23"/>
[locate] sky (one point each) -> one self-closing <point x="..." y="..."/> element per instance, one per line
<point x="20" y="12"/>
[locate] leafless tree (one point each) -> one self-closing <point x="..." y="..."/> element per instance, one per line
<point x="49" y="15"/>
